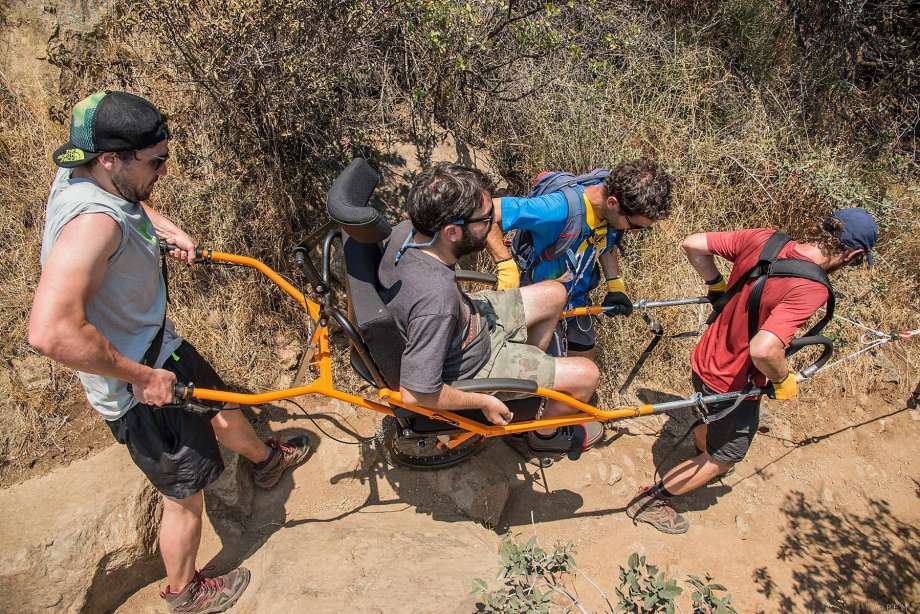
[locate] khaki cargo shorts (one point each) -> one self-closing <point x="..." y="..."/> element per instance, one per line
<point x="511" y="356"/>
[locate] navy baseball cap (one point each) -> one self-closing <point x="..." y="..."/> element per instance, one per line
<point x="859" y="230"/>
<point x="110" y="121"/>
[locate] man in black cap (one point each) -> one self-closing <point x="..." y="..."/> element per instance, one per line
<point x="100" y="308"/>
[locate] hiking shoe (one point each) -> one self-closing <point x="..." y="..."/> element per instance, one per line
<point x="561" y="441"/>
<point x="206" y="595"/>
<point x="656" y="512"/>
<point x="285" y="455"/>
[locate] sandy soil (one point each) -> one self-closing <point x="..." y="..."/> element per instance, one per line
<point x="822" y="516"/>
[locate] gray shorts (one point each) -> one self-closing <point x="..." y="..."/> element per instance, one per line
<point x="511" y="356"/>
<point x="729" y="439"/>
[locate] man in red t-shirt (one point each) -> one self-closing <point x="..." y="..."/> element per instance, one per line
<point x="726" y="359"/>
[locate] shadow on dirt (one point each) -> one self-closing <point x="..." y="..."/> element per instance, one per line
<point x="532" y="496"/>
<point x="240" y="537"/>
<point x="674" y="445"/>
<point x="845" y="562"/>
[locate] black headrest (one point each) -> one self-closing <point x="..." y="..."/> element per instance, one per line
<point x="347" y="205"/>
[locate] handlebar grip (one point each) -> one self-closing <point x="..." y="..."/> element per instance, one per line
<point x="826" y="353"/>
<point x="183" y="392"/>
<point x="165" y="248"/>
<point x="617" y="310"/>
<point x="487" y="385"/>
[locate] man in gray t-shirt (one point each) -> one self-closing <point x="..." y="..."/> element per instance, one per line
<point x="450" y="335"/>
<point x="100" y="308"/>
<point x="446" y="337"/>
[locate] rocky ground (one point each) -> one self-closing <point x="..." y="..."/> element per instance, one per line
<point x="821" y="517"/>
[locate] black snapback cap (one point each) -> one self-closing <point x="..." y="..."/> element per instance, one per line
<point x="110" y="121"/>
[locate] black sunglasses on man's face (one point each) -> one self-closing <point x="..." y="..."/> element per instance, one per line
<point x="633" y="225"/>
<point x="490" y="217"/>
<point x="156" y="162"/>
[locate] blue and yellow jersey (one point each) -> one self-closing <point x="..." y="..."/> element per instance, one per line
<point x="544" y="217"/>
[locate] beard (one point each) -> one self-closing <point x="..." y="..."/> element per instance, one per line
<point x="469" y="244"/>
<point x="130" y="192"/>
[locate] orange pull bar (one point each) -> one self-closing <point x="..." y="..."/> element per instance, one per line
<point x="266" y="270"/>
<point x="583" y="311"/>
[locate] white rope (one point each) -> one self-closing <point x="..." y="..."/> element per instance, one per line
<point x="869" y="344"/>
<point x="856" y="353"/>
<point x="877" y="333"/>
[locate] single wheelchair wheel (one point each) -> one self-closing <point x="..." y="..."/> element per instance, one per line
<point x="418" y="451"/>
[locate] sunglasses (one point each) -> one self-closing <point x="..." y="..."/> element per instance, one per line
<point x="490" y="217"/>
<point x="633" y="225"/>
<point x="155" y="162"/>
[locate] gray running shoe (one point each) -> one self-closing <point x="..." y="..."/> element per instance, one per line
<point x="285" y="455"/>
<point x="561" y="442"/>
<point x="656" y="512"/>
<point x="208" y="595"/>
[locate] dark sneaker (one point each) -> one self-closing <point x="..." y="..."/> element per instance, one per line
<point x="285" y="455"/>
<point x="656" y="512"/>
<point x="563" y="440"/>
<point x="206" y="595"/>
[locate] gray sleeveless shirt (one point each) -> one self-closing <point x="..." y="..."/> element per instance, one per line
<point x="128" y="307"/>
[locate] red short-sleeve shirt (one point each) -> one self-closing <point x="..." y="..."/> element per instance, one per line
<point x="722" y="358"/>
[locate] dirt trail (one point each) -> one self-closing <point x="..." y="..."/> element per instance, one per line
<point x="827" y="526"/>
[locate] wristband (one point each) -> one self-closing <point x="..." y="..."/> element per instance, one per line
<point x="616" y="285"/>
<point x="717" y="284"/>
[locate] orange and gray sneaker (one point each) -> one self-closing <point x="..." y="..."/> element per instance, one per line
<point x="207" y="595"/>
<point x="656" y="511"/>
<point x="284" y="455"/>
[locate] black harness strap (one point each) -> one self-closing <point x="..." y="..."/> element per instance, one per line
<point x="756" y="273"/>
<point x="153" y="351"/>
<point x="803" y="269"/>
<point x="768" y="265"/>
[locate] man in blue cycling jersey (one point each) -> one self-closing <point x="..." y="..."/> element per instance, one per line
<point x="567" y="240"/>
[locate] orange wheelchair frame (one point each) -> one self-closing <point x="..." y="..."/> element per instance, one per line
<point x="355" y="185"/>
<point x="324" y="385"/>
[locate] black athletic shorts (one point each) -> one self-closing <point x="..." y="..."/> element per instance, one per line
<point x="728" y="439"/>
<point x="176" y="449"/>
<point x="575" y="334"/>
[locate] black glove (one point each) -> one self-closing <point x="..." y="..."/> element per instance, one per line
<point x="621" y="304"/>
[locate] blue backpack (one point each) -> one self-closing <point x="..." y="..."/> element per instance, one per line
<point x="549" y="182"/>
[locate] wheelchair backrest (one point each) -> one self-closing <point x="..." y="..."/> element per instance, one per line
<point x="347" y="204"/>
<point x="368" y="313"/>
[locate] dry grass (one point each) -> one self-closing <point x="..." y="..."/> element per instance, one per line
<point x="736" y="165"/>
<point x="261" y="129"/>
<point x="27" y="417"/>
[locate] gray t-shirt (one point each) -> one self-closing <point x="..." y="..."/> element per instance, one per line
<point x="439" y="324"/>
<point x="128" y="307"/>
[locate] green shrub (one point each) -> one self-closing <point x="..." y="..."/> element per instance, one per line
<point x="534" y="580"/>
